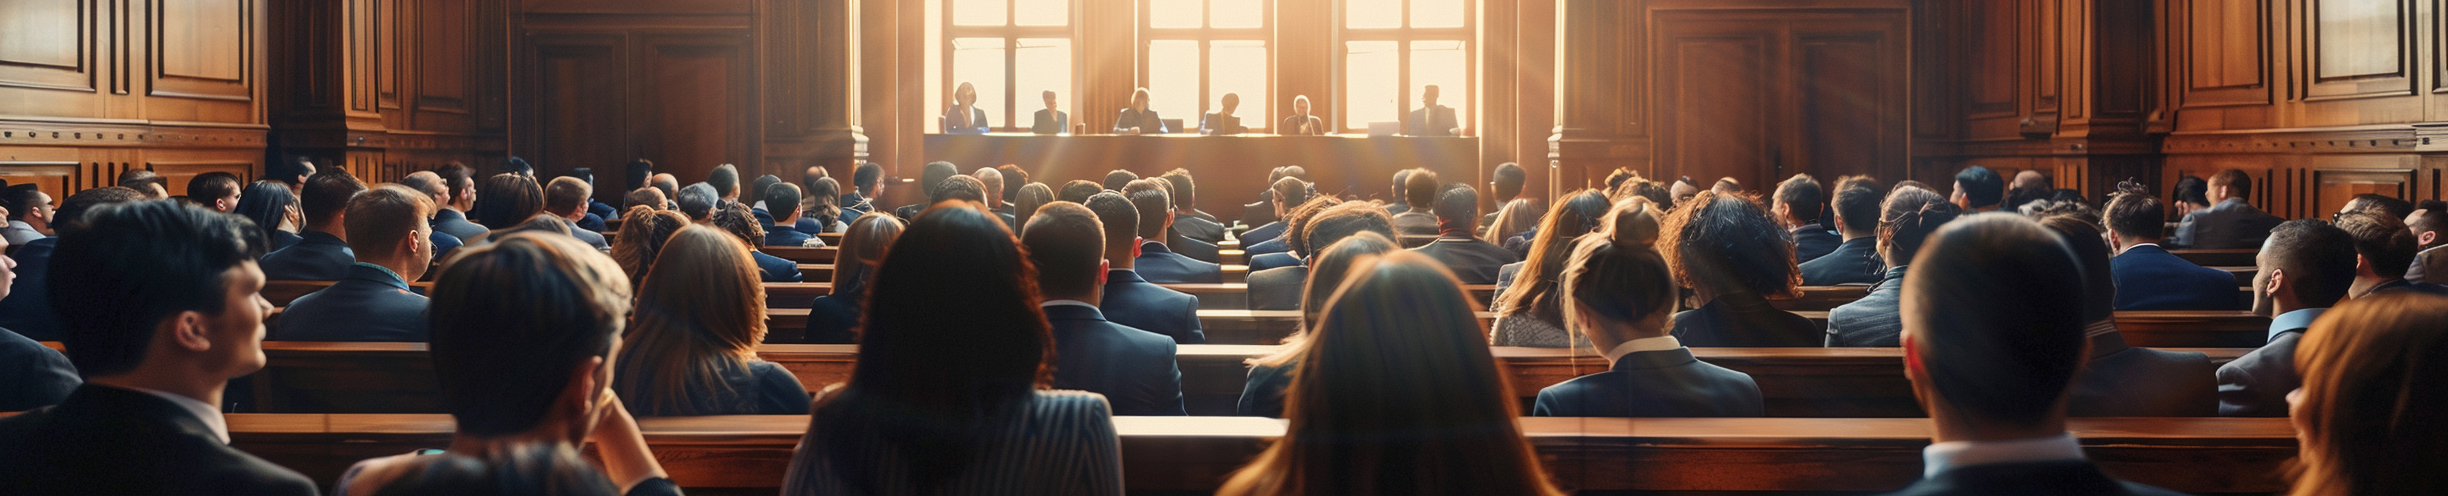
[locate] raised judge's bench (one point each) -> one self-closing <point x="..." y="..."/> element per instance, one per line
<point x="1230" y="170"/>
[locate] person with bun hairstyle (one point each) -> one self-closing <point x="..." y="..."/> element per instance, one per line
<point x="1618" y="293"/>
<point x="1910" y="214"/>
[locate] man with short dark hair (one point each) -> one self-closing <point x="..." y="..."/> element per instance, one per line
<point x="450" y="212"/>
<point x="1285" y="194"/>
<point x="1281" y="288"/>
<point x="163" y="311"/>
<point x="2384" y="248"/>
<point x="783" y="200"/>
<point x="1419" y="196"/>
<point x="1188" y="221"/>
<point x="1116" y="179"/>
<point x="1134" y="369"/>
<point x="1977" y="189"/>
<point x="2230" y="222"/>
<point x="34" y="375"/>
<point x="866" y="184"/>
<point x="29" y="213"/>
<point x="1078" y="191"/>
<point x="1395" y="204"/>
<point x="28" y="310"/>
<point x="154" y="186"/>
<point x="567" y="197"/>
<point x="930" y="179"/>
<point x="1156" y="262"/>
<point x="323" y="254"/>
<point x="2393" y="207"/>
<point x="2305" y="266"/>
<point x="1798" y="203"/>
<point x="214" y="190"/>
<point x="1129" y="299"/>
<point x="1195" y="249"/>
<point x="2147" y="276"/>
<point x="2429" y="222"/>
<point x="640" y="172"/>
<point x="698" y="201"/>
<point x="726" y="182"/>
<point x="648" y="197"/>
<point x="388" y="234"/>
<point x="1856" y="260"/>
<point x="965" y="188"/>
<point x="518" y="167"/>
<point x="430" y="184"/>
<point x="1471" y="260"/>
<point x="1507" y="186"/>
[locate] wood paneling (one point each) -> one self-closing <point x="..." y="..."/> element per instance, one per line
<point x="695" y="108"/>
<point x="575" y="112"/>
<point x="47" y="44"/>
<point x="1762" y="97"/>
<point x="91" y="88"/>
<point x="2357" y="49"/>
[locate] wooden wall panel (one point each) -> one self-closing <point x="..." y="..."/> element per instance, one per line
<point x="575" y="113"/>
<point x="206" y="49"/>
<point x="2357" y="49"/>
<point x="47" y="44"/>
<point x="92" y="88"/>
<point x="694" y="106"/>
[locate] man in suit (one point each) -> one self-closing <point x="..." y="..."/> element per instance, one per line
<point x="29" y="311"/>
<point x="1431" y="119"/>
<point x="29" y="214"/>
<point x="1222" y="122"/>
<point x="1470" y="259"/>
<point x="324" y="253"/>
<point x="1281" y="288"/>
<point x="215" y="190"/>
<point x="1201" y="251"/>
<point x="930" y="179"/>
<point x="430" y="184"/>
<point x="1856" y="260"/>
<point x="1798" y="202"/>
<point x="594" y="212"/>
<point x="699" y="202"/>
<point x="1394" y="198"/>
<point x="2121" y="380"/>
<point x="1052" y="120"/>
<point x="735" y="219"/>
<point x="1977" y="189"/>
<point x="1155" y="261"/>
<point x="866" y="184"/>
<point x="31" y="375"/>
<point x="1130" y="300"/>
<point x="2384" y="248"/>
<point x="2430" y="225"/>
<point x="967" y="189"/>
<point x="387" y="232"/>
<point x="1188" y="220"/>
<point x="1296" y="221"/>
<point x="1993" y="339"/>
<point x="726" y="182"/>
<point x="567" y="197"/>
<point x="1300" y="123"/>
<point x="2230" y="222"/>
<point x="1134" y="369"/>
<point x="783" y="198"/>
<point x="1419" y="195"/>
<point x="2305" y="266"/>
<point x="1287" y="192"/>
<point x="163" y="312"/>
<point x="1507" y="186"/>
<point x="451" y="216"/>
<point x="2147" y="276"/>
<point x="1138" y="119"/>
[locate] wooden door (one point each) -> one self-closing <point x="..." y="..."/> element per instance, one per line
<point x="1760" y="96"/>
<point x="599" y="99"/>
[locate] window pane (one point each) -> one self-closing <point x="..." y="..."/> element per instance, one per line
<point x="1372" y="83"/>
<point x="1237" y="13"/>
<point x="1363" y="14"/>
<point x="1239" y="67"/>
<point x="979" y="12"/>
<point x="1437" y="13"/>
<point x="1041" y="65"/>
<point x="934" y="57"/>
<point x="1042" y="12"/>
<point x="1174" y="14"/>
<point x="979" y="62"/>
<point x="1173" y="80"/>
<point x="1442" y="63"/>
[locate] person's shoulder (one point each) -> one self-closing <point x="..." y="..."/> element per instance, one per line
<point x="1279" y="275"/>
<point x="1065" y="403"/>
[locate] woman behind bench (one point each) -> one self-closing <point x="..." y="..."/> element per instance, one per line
<point x="1618" y="292"/>
<point x="692" y="344"/>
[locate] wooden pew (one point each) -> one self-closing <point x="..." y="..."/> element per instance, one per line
<point x="2216" y="258"/>
<point x="2243" y="274"/>
<point x="2172" y="328"/>
<point x="802" y="255"/>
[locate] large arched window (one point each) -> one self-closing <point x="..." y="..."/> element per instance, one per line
<point x="1011" y="50"/>
<point x="1199" y="50"/>
<point x="1394" y="48"/>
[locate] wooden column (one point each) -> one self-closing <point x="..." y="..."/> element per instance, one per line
<point x="882" y="70"/>
<point x="325" y="60"/>
<point x="1599" y="122"/>
<point x="812" y="114"/>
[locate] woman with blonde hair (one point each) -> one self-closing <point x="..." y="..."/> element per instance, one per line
<point x="1516" y="217"/>
<point x="2375" y="377"/>
<point x="643" y="231"/>
<point x="1529" y="306"/>
<point x="693" y="337"/>
<point x="1263" y="394"/>
<point x="834" y="317"/>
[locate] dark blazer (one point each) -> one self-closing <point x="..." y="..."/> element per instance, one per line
<point x="1666" y="383"/>
<point x="1414" y="223"/>
<point x="909" y="213"/>
<point x="1261" y="234"/>
<point x="2124" y="381"/>
<point x="2149" y="278"/>
<point x="601" y="211"/>
<point x="1431" y="121"/>
<point x="321" y="257"/>
<point x="1812" y="242"/>
<point x="2049" y="478"/>
<point x="106" y="440"/>
<point x="756" y="387"/>
<point x="34" y="375"/>
<point x="2394" y="285"/>
<point x="1470" y="259"/>
<point x="1872" y="320"/>
<point x="1215" y="123"/>
<point x="2256" y="384"/>
<point x="855" y="205"/>
<point x="591" y="238"/>
<point x="1292" y="126"/>
<point x="1744" y="319"/>
<point x="1135" y="302"/>
<point x="2229" y="224"/>
<point x="1050" y="121"/>
<point x="834" y="319"/>
<point x="589" y="222"/>
<point x="444" y="244"/>
<point x="280" y="239"/>
<point x="775" y="269"/>
<point x="1270" y="261"/>
<point x="1277" y="288"/>
<point x="1134" y="369"/>
<point x="1162" y="266"/>
<point x="369" y="304"/>
<point x="27" y="310"/>
<point x="977" y="121"/>
<point x="1855" y="261"/>
<point x="456" y="223"/>
<point x="808" y="225"/>
<point x="1193" y="227"/>
<point x="785" y="237"/>
<point x="1147" y="122"/>
<point x="1262" y="394"/>
<point x="1195" y="249"/>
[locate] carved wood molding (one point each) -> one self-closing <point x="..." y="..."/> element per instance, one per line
<point x="2389" y="139"/>
<point x="129" y="135"/>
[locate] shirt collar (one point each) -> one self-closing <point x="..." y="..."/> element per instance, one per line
<point x="1941" y="457"/>
<point x="203" y="411"/>
<point x="1049" y="303"/>
<point x="19" y="224"/>
<point x="2289" y="321"/>
<point x="1660" y="343"/>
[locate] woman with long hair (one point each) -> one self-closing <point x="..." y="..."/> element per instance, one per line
<point x="1397" y="393"/>
<point x="275" y="210"/>
<point x="822" y="206"/>
<point x="1529" y="308"/>
<point x="1619" y="293"/>
<point x="950" y="394"/>
<point x="693" y="336"/>
<point x="1262" y="395"/>
<point x="1734" y="257"/>
<point x="1515" y="217"/>
<point x="2375" y="377"/>
<point x="643" y="231"/>
<point x="834" y="317"/>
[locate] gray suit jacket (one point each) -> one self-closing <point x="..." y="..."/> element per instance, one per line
<point x="2227" y="225"/>
<point x="1277" y="288"/>
<point x="2124" y="381"/>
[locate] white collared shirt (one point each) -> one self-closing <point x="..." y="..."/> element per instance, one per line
<point x="1660" y="343"/>
<point x="203" y="411"/>
<point x="1940" y="457"/>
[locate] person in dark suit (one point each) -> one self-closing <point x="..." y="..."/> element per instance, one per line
<point x="29" y="213"/>
<point x="1419" y="198"/>
<point x="1295" y="235"/>
<point x="964" y="117"/>
<point x="1188" y="220"/>
<point x="930" y="179"/>
<point x="1730" y="252"/>
<point x="1910" y="214"/>
<point x="1052" y="120"/>
<point x="1222" y="122"/>
<point x="1288" y="192"/>
<point x="567" y="197"/>
<point x="162" y="312"/>
<point x="430" y="184"/>
<point x="2121" y="380"/>
<point x="783" y="199"/>
<point x="451" y="218"/>
<point x="1174" y="240"/>
<point x="1129" y="299"/>
<point x="1322" y="224"/>
<point x="1134" y="369"/>
<point x="2230" y="222"/>
<point x="1856" y="261"/>
<point x="1138" y="119"/>
<point x="324" y="253"/>
<point x="1623" y="291"/>
<point x="1155" y="261"/>
<point x="34" y="375"/>
<point x="735" y="219"/>
<point x="2430" y="225"/>
<point x="1507" y="186"/>
<point x="29" y="312"/>
<point x="834" y="317"/>
<point x="1978" y="189"/>
<point x="2147" y="276"/>
<point x="1300" y="123"/>
<point x="1993" y="342"/>
<point x="2384" y="249"/>
<point x="1431" y="119"/>
<point x="2305" y="267"/>
<point x="1799" y="201"/>
<point x="2367" y="413"/>
<point x="387" y="233"/>
<point x="866" y="184"/>
<point x="1262" y="393"/>
<point x="1471" y="260"/>
<point x="596" y="211"/>
<point x="698" y="321"/>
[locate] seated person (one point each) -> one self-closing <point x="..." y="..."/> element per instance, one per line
<point x="1419" y="195"/>
<point x="1798" y="202"/>
<point x="1530" y="312"/>
<point x="388" y="234"/>
<point x="1279" y="288"/>
<point x="648" y="228"/>
<point x="1176" y="219"/>
<point x="458" y="198"/>
<point x="1471" y="260"/>
<point x="570" y="198"/>
<point x="693" y="336"/>
<point x="1129" y="299"/>
<point x="820" y="212"/>
<point x="1134" y="369"/>
<point x="1910" y="214"/>
<point x="430" y="184"/>
<point x="1222" y="122"/>
<point x="2305" y="266"/>
<point x="1138" y="119"/>
<point x="1621" y="293"/>
<point x="735" y="219"/>
<point x="930" y="179"/>
<point x="2361" y="372"/>
<point x="29" y="311"/>
<point x="2384" y="249"/>
<point x="162" y="307"/>
<point x="834" y="317"/>
<point x="1188" y="220"/>
<point x="784" y="199"/>
<point x="1294" y="237"/>
<point x="322" y="254"/>
<point x="2121" y="380"/>
<point x="1734" y="257"/>
<point x="1288" y="192"/>
<point x="2228" y="223"/>
<point x="1051" y="120"/>
<point x="35" y="375"/>
<point x="1856" y="260"/>
<point x="1300" y="123"/>
<point x="538" y="468"/>
<point x="1431" y="119"/>
<point x="1156" y="262"/>
<point x="964" y="117"/>
<point x="2147" y="276"/>
<point x="1262" y="395"/>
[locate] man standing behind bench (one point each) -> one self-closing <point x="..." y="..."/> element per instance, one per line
<point x="388" y="233"/>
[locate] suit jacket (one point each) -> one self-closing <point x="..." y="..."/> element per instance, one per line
<point x="2050" y="478"/>
<point x="444" y="244"/>
<point x="909" y="213"/>
<point x="1271" y="261"/>
<point x="1856" y="261"/>
<point x="279" y="240"/>
<point x="2124" y="381"/>
<point x="755" y="387"/>
<point x="786" y="237"/>
<point x="1135" y="302"/>
<point x="1744" y="319"/>
<point x="1163" y="266"/>
<point x="834" y="319"/>
<point x="1431" y="121"/>
<point x="1217" y="124"/>
<point x="2395" y="285"/>
<point x="589" y="222"/>
<point x="601" y="211"/>
<point x="1262" y="393"/>
<point x="2149" y="278"/>
<point x="1277" y="288"/>
<point x="1414" y="223"/>
<point x="27" y="310"/>
<point x="977" y="121"/>
<point x="2256" y="384"/>
<point x="106" y="440"/>
<point x="1261" y="234"/>
<point x="1195" y="249"/>
<point x="2418" y="272"/>
<point x="1666" y="383"/>
<point x="1134" y="369"/>
<point x="2229" y="224"/>
<point x="1193" y="227"/>
<point x="1295" y="125"/>
<point x="1147" y="122"/>
<point x="810" y="226"/>
<point x="591" y="238"/>
<point x="1050" y="121"/>
<point x="456" y="223"/>
<point x="775" y="269"/>
<point x="1872" y="320"/>
<point x="854" y="205"/>
<point x="35" y="375"/>
<point x="321" y="257"/>
<point x="1812" y="242"/>
<point x="369" y="304"/>
<point x="1470" y="259"/>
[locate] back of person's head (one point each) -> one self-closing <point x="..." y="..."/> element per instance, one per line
<point x="378" y="219"/>
<point x="1296" y="224"/>
<point x="1907" y="220"/>
<point x="932" y="175"/>
<point x="1332" y="264"/>
<point x="1290" y="191"/>
<point x="1728" y="244"/>
<point x="523" y="469"/>
<point x="1620" y="176"/>
<point x="2383" y="242"/>
<point x="1980" y="186"/>
<point x="2375" y="374"/>
<point x="2238" y="183"/>
<point x="266" y="203"/>
<point x="725" y="180"/>
<point x="1027" y="199"/>
<point x="518" y="166"/>
<point x="1656" y="193"/>
<point x="2317" y="261"/>
<point x="643" y="197"/>
<point x="699" y="317"/>
<point x="1334" y="223"/>
<point x="863" y="245"/>
<point x="866" y="177"/>
<point x="2137" y="217"/>
<point x="428" y="183"/>
<point x="2083" y="240"/>
<point x="1801" y="197"/>
<point x="2017" y="198"/>
<point x="514" y="322"/>
<point x="1185" y="190"/>
<point x="459" y="179"/>
<point x="1536" y="292"/>
<point x="1067" y="244"/>
<point x="1296" y="172"/>
<point x="643" y="232"/>
<point x="991" y="180"/>
<point x="1155" y="206"/>
<point x="668" y="184"/>
<point x="505" y="200"/>
<point x="1014" y="178"/>
<point x="1993" y="321"/>
<point x="1458" y="206"/>
<point x="326" y="194"/>
<point x="742" y="223"/>
<point x="144" y="181"/>
<point x="2429" y="222"/>
<point x="1116" y="179"/>
<point x="823" y="200"/>
<point x="638" y="172"/>
<point x="1420" y="189"/>
<point x="756" y="188"/>
<point x="566" y="195"/>
<point x="1727" y="186"/>
<point x="1078" y="191"/>
<point x="1514" y="217"/>
<point x="2394" y="207"/>
<point x="210" y="186"/>
<point x="1121" y="221"/>
<point x="134" y="264"/>
<point x="1509" y="178"/>
<point x="71" y="213"/>
<point x="1402" y="180"/>
<point x="963" y="188"/>
<point x="697" y="200"/>
<point x="781" y="199"/>
<point x="2191" y="189"/>
<point x="290" y="172"/>
<point x="1620" y="278"/>
<point x="1399" y="374"/>
<point x="1857" y="204"/>
<point x="545" y="223"/>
